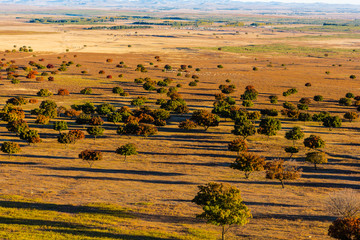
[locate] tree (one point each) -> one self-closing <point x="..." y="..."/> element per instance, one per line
<point x="60" y="126"/>
<point x="238" y="145"/>
<point x="127" y="150"/>
<point x="95" y="131"/>
<point x="86" y="91"/>
<point x="31" y="136"/>
<point x="44" y="93"/>
<point x="316" y="158"/>
<point x="276" y="170"/>
<point x="205" y="119"/>
<point x="250" y="93"/>
<point x="66" y="138"/>
<point x="115" y="117"/>
<point x="318" y="98"/>
<point x="248" y="162"/>
<point x="187" y="125"/>
<point x="345" y="229"/>
<point x="314" y="142"/>
<point x="292" y="150"/>
<point x="17" y="126"/>
<point x="351" y="116"/>
<point x="269" y="126"/>
<point x="332" y="122"/>
<point x="90" y="156"/>
<point x="105" y="109"/>
<point x="222" y="206"/>
<point x="10" y="148"/>
<point x="294" y="134"/>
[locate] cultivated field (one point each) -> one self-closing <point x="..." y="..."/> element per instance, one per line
<point x="49" y="193"/>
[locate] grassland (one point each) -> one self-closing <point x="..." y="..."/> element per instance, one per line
<point x="49" y="193"/>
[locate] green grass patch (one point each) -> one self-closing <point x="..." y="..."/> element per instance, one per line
<point x="280" y="49"/>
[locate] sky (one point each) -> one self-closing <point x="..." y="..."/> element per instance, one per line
<point x="308" y="1"/>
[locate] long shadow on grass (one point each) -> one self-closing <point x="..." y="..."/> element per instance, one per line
<point x="64" y="208"/>
<point x="45" y="156"/>
<point x="99" y="170"/>
<point x="207" y="164"/>
<point x="187" y="154"/>
<point x="18" y="163"/>
<point x="321" y="218"/>
<point x="97" y="234"/>
<point x="308" y="169"/>
<point x="37" y="222"/>
<point x="300" y="184"/>
<point x="335" y="177"/>
<point x="122" y="179"/>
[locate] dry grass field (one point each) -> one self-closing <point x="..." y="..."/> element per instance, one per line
<point x="49" y="193"/>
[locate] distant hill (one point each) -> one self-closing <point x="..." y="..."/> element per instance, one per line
<point x="202" y="5"/>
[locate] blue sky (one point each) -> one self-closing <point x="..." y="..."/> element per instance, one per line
<point x="307" y="1"/>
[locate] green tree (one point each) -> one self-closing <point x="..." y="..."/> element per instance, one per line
<point x="248" y="162"/>
<point x="332" y="122"/>
<point x="316" y="158"/>
<point x="294" y="134"/>
<point x="60" y="126"/>
<point x="314" y="142"/>
<point x="10" y="148"/>
<point x="205" y="119"/>
<point x="127" y="150"/>
<point x="277" y="170"/>
<point x="90" y="156"/>
<point x="222" y="206"/>
<point x="351" y="116"/>
<point x="238" y="145"/>
<point x="95" y="131"/>
<point x="269" y="126"/>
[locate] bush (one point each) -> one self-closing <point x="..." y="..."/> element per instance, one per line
<point x="247" y="103"/>
<point x="314" y="142"/>
<point x="66" y="138"/>
<point x="117" y="90"/>
<point x="291" y="150"/>
<point x="289" y="105"/>
<point x="187" y="125"/>
<point x="83" y="118"/>
<point x="78" y="134"/>
<point x="352" y="76"/>
<point x="332" y="122"/>
<point x="273" y="99"/>
<point x="351" y="116"/>
<point x="44" y="93"/>
<point x="10" y="148"/>
<point x="318" y="98"/>
<point x="31" y="136"/>
<point x="192" y="84"/>
<point x="344" y="203"/>
<point x="345" y="101"/>
<point x="86" y="91"/>
<point x="17" y="126"/>
<point x="41" y="119"/>
<point x="305" y="117"/>
<point x="90" y="156"/>
<point x="316" y="158"/>
<point x="95" y="131"/>
<point x="269" y="112"/>
<point x="250" y="93"/>
<point x="63" y="92"/>
<point x="277" y="170"/>
<point x="96" y="121"/>
<point x="349" y="95"/>
<point x="127" y="150"/>
<point x="60" y="126"/>
<point x="345" y="229"/>
<point x="105" y="109"/>
<point x="269" y="126"/>
<point x="17" y="101"/>
<point x="238" y="145"/>
<point x="114" y="117"/>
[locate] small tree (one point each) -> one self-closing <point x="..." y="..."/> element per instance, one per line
<point x="248" y="162"/>
<point x="332" y="122"/>
<point x="291" y="150"/>
<point x="269" y="126"/>
<point x="205" y="119"/>
<point x="294" y="134"/>
<point x="187" y="125"/>
<point x="10" y="148"/>
<point x="314" y="142"/>
<point x="238" y="145"/>
<point x="60" y="126"/>
<point x="351" y="116"/>
<point x="276" y="170"/>
<point x="316" y="158"/>
<point x="345" y="229"/>
<point x="318" y="98"/>
<point x="90" y="156"/>
<point x="66" y="138"/>
<point x="127" y="150"/>
<point x="95" y="131"/>
<point x="222" y="206"/>
<point x="31" y="136"/>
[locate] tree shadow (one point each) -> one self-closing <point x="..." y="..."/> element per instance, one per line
<point x="99" y="170"/>
<point x="321" y="218"/>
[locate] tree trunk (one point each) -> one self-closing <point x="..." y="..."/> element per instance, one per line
<point x="282" y="183"/>
<point x="223" y="233"/>
<point x="247" y="174"/>
<point x="315" y="166"/>
<point x="125" y="158"/>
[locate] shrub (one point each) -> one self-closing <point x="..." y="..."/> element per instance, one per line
<point x="349" y="95"/>
<point x="250" y="93"/>
<point x="318" y="98"/>
<point x="90" y="156"/>
<point x="78" y="134"/>
<point x="105" y="109"/>
<point x="192" y="84"/>
<point x="289" y="105"/>
<point x="304" y="117"/>
<point x="17" y="126"/>
<point x="117" y="90"/>
<point x="352" y="76"/>
<point x="238" y="145"/>
<point x="96" y="121"/>
<point x="320" y="116"/>
<point x="114" y="117"/>
<point x="273" y="99"/>
<point x="127" y="150"/>
<point x="351" y="116"/>
<point x="60" y="126"/>
<point x="31" y="136"/>
<point x="66" y="138"/>
<point x="41" y="119"/>
<point x="187" y="125"/>
<point x="314" y="142"/>
<point x="289" y="92"/>
<point x="345" y="229"/>
<point x="302" y="106"/>
<point x="344" y="203"/>
<point x="345" y="101"/>
<point x="83" y="118"/>
<point x="10" y="148"/>
<point x="44" y="93"/>
<point x="248" y="162"/>
<point x="294" y="134"/>
<point x="332" y="122"/>
<point x="17" y="101"/>
<point x="86" y="91"/>
<point x="308" y="84"/>
<point x="247" y="103"/>
<point x="63" y="92"/>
